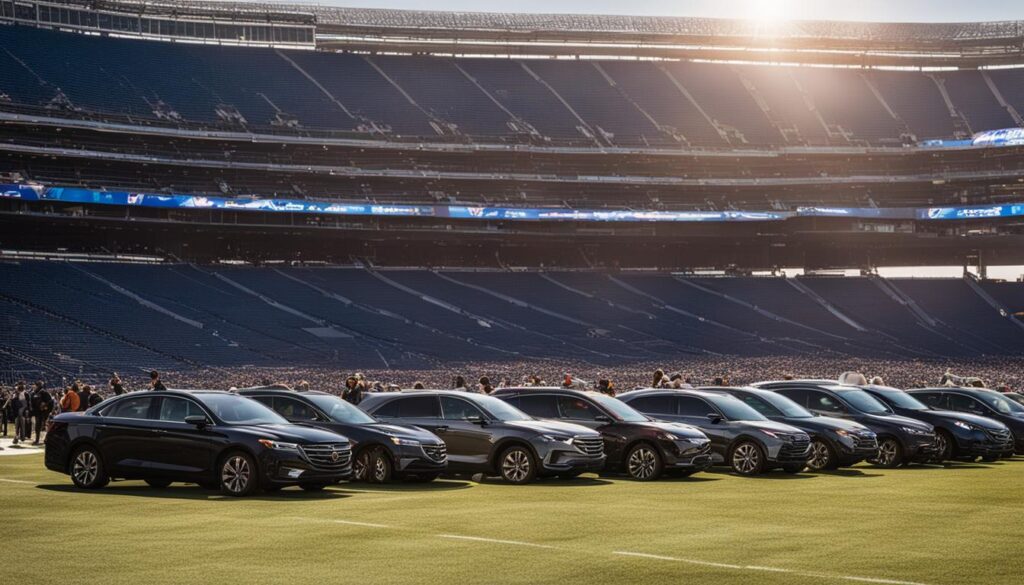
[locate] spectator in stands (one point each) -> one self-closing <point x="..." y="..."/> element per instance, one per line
<point x="355" y="388"/>
<point x="721" y="381"/>
<point x="418" y="386"/>
<point x="676" y="381"/>
<point x="606" y="387"/>
<point x="70" y="401"/>
<point x="302" y="386"/>
<point x="84" y="398"/>
<point x="659" y="378"/>
<point x="460" y="384"/>
<point x="42" y="406"/>
<point x="853" y="378"/>
<point x="877" y="381"/>
<point x="485" y="385"/>
<point x="155" y="383"/>
<point x="116" y="386"/>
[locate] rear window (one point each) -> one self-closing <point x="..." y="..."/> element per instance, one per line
<point x="538" y="406"/>
<point x="654" y="404"/>
<point x="419" y="407"/>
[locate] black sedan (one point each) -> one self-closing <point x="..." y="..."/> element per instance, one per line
<point x="215" y="439"/>
<point x="634" y="443"/>
<point x="486" y="435"/>
<point x="958" y="435"/>
<point x="982" y="402"/>
<point x="835" y="442"/>
<point x="381" y="451"/>
<point x="740" y="436"/>
<point x="901" y="440"/>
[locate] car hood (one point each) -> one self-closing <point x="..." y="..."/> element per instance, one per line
<point x="678" y="429"/>
<point x="899" y="420"/>
<point x="773" y="426"/>
<point x="981" y="421"/>
<point x="551" y="426"/>
<point x="296" y="433"/>
<point x="831" y="424"/>
<point x="406" y="432"/>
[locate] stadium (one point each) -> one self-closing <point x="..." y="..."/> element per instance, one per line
<point x="246" y="195"/>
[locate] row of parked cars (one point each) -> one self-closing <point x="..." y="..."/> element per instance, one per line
<point x="265" y="438"/>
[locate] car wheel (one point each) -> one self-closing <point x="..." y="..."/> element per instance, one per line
<point x="87" y="469"/>
<point x="643" y="463"/>
<point x="517" y="465"/>
<point x="158" y="483"/>
<point x="238" y="475"/>
<point x="380" y="469"/>
<point x="822" y="457"/>
<point x="361" y="465"/>
<point x="890" y="454"/>
<point x="990" y="458"/>
<point x="747" y="458"/>
<point x="944" y="446"/>
<point x="313" y="487"/>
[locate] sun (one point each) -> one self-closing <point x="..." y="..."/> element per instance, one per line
<point x="769" y="11"/>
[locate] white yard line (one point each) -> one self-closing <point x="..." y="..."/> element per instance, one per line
<point x="495" y="541"/>
<point x="18" y="481"/>
<point x="767" y="569"/>
<point x="345" y="522"/>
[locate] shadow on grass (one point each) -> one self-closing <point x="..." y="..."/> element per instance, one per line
<point x="438" y="485"/>
<point x="583" y="481"/>
<point x="193" y="492"/>
<point x="774" y="474"/>
<point x="847" y="472"/>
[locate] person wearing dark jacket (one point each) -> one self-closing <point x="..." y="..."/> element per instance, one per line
<point x="21" y="408"/>
<point x="42" y="406"/>
<point x="116" y="385"/>
<point x="154" y="381"/>
<point x="5" y="411"/>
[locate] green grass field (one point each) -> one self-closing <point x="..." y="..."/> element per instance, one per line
<point x="932" y="525"/>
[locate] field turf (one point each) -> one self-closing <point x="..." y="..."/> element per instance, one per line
<point x="931" y="525"/>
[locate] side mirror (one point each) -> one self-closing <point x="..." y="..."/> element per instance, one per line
<point x="603" y="418"/>
<point x="715" y="418"/>
<point x="197" y="420"/>
<point x="477" y="420"/>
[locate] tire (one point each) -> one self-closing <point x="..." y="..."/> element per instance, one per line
<point x="945" y="446"/>
<point x="517" y="465"/>
<point x="747" y="458"/>
<point x="158" y="483"/>
<point x="990" y="458"/>
<point x="86" y="469"/>
<point x="313" y="487"/>
<point x="823" y="457"/>
<point x="890" y="454"/>
<point x="372" y="465"/>
<point x="239" y="476"/>
<point x="793" y="468"/>
<point x="643" y="462"/>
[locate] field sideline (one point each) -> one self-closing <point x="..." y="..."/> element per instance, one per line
<point x="929" y="525"/>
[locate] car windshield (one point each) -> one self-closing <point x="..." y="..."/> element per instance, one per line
<point x="620" y="410"/>
<point x="500" y="409"/>
<point x="1002" y="404"/>
<point x="239" y="410"/>
<point x="734" y="409"/>
<point x="340" y="411"/>
<point x="902" y="400"/>
<point x="787" y="407"/>
<point x="864" y="402"/>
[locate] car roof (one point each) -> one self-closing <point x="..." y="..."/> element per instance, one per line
<point x="282" y="391"/>
<point x="677" y="392"/>
<point x="954" y="389"/>
<point x="529" y="389"/>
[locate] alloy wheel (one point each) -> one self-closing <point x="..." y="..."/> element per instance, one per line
<point x="642" y="462"/>
<point x="886" y="453"/>
<point x="380" y="472"/>
<point x="941" y="446"/>
<point x="516" y="466"/>
<point x="361" y="466"/>
<point x="86" y="468"/>
<point x="236" y="474"/>
<point x="820" y="458"/>
<point x="746" y="458"/>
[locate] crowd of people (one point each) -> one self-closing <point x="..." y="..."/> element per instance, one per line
<point x="26" y="408"/>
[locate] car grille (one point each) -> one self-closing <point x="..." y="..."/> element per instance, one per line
<point x="862" y="442"/>
<point x="796" y="449"/>
<point x="593" y="446"/>
<point x="329" y="456"/>
<point x="999" y="436"/>
<point x="437" y="453"/>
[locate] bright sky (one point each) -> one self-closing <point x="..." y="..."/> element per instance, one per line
<point x="878" y="10"/>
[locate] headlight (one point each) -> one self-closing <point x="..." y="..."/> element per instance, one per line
<point x="963" y="425"/>
<point x="556" y="439"/>
<point x="278" y="445"/>
<point x="668" y="436"/>
<point x="406" y="442"/>
<point x="913" y="431"/>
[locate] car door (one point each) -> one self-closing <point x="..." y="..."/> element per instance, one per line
<point x="469" y="443"/>
<point x="694" y="411"/>
<point x="184" y="451"/>
<point x="126" y="436"/>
